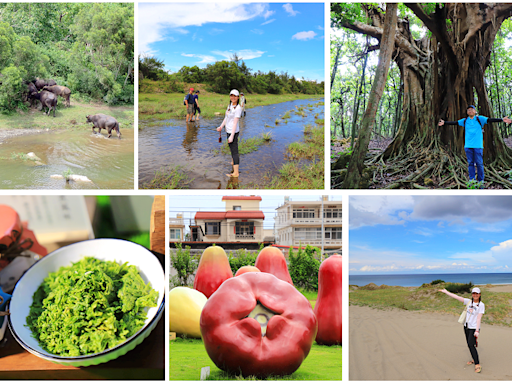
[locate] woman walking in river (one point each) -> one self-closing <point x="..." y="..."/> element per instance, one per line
<point x="233" y="115"/>
<point x="475" y="309"/>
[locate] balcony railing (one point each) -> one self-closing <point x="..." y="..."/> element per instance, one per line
<point x="309" y="221"/>
<point x="175" y="221"/>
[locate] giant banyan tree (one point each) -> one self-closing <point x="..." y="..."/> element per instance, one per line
<point x="442" y="73"/>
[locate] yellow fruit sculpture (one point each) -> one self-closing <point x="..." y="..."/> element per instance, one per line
<point x="185" y="306"/>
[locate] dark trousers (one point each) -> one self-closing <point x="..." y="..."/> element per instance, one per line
<point x="470" y="338"/>
<point x="233" y="147"/>
<point x="475" y="156"/>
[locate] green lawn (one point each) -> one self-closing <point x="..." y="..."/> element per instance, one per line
<point x="189" y="356"/>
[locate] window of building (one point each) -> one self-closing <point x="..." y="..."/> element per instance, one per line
<point x="175" y="234"/>
<point x="301" y="213"/>
<point x="332" y="213"/>
<point x="308" y="234"/>
<point x="237" y="207"/>
<point x="333" y="233"/>
<point x="244" y="228"/>
<point x="212" y="229"/>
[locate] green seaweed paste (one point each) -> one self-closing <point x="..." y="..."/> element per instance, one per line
<point x="89" y="306"/>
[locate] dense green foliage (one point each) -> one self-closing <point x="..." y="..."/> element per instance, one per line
<point x="185" y="265"/>
<point x="222" y="76"/>
<point x="87" y="47"/>
<point x="242" y="258"/>
<point x="89" y="307"/>
<point x="304" y="267"/>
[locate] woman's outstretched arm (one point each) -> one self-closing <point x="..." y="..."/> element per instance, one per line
<point x="461" y="299"/>
<point x="222" y="125"/>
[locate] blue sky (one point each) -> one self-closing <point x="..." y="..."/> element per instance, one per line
<point x="430" y="234"/>
<point x="268" y="36"/>
<point x="189" y="205"/>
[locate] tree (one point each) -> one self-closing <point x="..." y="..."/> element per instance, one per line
<point x="442" y="73"/>
<point x="356" y="165"/>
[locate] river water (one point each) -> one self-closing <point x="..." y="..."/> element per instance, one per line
<point x="108" y="163"/>
<point x="194" y="146"/>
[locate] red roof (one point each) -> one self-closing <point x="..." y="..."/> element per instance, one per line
<point x="258" y="198"/>
<point x="210" y="215"/>
<point x="245" y="215"/>
<point x="229" y="215"/>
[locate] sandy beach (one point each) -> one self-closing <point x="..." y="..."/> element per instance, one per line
<point x="404" y="345"/>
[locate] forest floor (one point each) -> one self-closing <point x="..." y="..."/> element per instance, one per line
<point x="376" y="147"/>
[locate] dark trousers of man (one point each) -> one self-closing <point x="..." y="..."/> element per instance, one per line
<point x="471" y="340"/>
<point x="475" y="156"/>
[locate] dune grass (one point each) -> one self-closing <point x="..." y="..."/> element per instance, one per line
<point x="188" y="356"/>
<point x="498" y="308"/>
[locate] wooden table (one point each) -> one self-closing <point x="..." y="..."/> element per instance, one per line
<point x="145" y="362"/>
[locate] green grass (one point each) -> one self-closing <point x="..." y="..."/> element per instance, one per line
<point x="189" y="356"/>
<point x="498" y="308"/>
<point x="287" y="115"/>
<point x="160" y="106"/>
<point x="68" y="118"/>
<point x="168" y="178"/>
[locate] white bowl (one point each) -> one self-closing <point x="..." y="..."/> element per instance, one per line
<point x="103" y="249"/>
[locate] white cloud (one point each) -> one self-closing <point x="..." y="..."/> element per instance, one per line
<point x="158" y="20"/>
<point x="215" y="31"/>
<point x="257" y="31"/>
<point x="205" y="59"/>
<point x="244" y="54"/>
<point x="268" y="21"/>
<point x="304" y="35"/>
<point x="268" y="14"/>
<point x="289" y="9"/>
<point x="320" y="28"/>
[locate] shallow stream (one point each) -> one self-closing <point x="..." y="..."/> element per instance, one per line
<point x="195" y="146"/>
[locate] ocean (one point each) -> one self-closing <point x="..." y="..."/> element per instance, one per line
<point x="418" y="280"/>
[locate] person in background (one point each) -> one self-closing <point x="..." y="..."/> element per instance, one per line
<point x="233" y="115"/>
<point x="189" y="103"/>
<point x="242" y="102"/>
<point x="475" y="309"/>
<point x="196" y="107"/>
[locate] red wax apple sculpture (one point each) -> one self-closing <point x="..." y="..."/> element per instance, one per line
<point x="212" y="271"/>
<point x="256" y="324"/>
<point x="272" y="260"/>
<point x="328" y="304"/>
<point x="247" y="268"/>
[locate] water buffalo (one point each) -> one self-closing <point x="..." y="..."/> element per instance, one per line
<point x="47" y="99"/>
<point x="51" y="82"/>
<point x="59" y="90"/>
<point x="103" y="121"/>
<point x="39" y="84"/>
<point x="31" y="88"/>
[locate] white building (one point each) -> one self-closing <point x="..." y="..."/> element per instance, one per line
<point x="176" y="228"/>
<point x="300" y="223"/>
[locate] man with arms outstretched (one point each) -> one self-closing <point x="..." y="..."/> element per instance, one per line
<point x="474" y="139"/>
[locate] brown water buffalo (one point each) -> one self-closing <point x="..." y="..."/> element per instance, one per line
<point x="51" y="82"/>
<point x="47" y="99"/>
<point x="31" y="88"/>
<point x="103" y="121"/>
<point x="39" y="84"/>
<point x="59" y="90"/>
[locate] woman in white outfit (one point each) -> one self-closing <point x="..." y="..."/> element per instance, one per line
<point x="233" y="115"/>
<point x="475" y="309"/>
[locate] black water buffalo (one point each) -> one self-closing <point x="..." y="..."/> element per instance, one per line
<point x="47" y="99"/>
<point x="59" y="90"/>
<point x="31" y="88"/>
<point x="103" y="121"/>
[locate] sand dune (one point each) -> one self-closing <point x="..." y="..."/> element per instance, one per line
<point x="401" y="345"/>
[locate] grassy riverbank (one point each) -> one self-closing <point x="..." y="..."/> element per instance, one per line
<point x="498" y="305"/>
<point x="67" y="117"/>
<point x="161" y="106"/>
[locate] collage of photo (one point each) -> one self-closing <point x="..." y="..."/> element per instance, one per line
<point x="173" y="176"/>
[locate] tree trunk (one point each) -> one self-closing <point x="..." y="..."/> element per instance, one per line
<point x="356" y="102"/>
<point x="356" y="164"/>
<point x="335" y="66"/>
